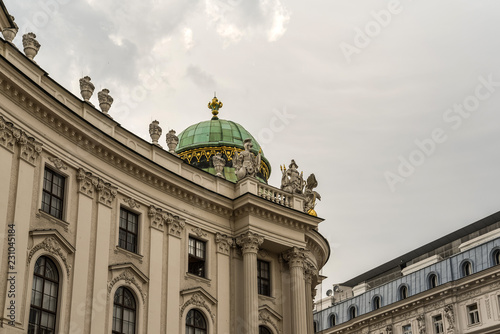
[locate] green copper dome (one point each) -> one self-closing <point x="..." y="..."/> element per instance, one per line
<point x="199" y="142"/>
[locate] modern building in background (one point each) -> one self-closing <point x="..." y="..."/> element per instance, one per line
<point x="103" y="232"/>
<point x="451" y="285"/>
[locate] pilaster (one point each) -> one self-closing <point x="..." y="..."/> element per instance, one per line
<point x="223" y="247"/>
<point x="296" y="259"/>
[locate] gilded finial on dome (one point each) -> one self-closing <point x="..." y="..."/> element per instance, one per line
<point x="215" y="105"/>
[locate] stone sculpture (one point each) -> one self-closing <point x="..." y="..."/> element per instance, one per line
<point x="292" y="181"/>
<point x="246" y="163"/>
<point x="219" y="164"/>
<point x="31" y="45"/>
<point x="155" y="132"/>
<point x="86" y="88"/>
<point x="10" y="33"/>
<point x="172" y="141"/>
<point x="105" y="100"/>
<point x="311" y="195"/>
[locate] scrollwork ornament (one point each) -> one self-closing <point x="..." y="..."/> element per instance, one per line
<point x="249" y="242"/>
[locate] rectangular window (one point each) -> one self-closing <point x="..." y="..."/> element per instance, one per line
<point x="438" y="324"/>
<point x="53" y="193"/>
<point x="407" y="329"/>
<point x="264" y="278"/>
<point x="197" y="256"/>
<point x="127" y="238"/>
<point x="473" y="313"/>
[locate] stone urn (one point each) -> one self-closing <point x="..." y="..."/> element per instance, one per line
<point x="86" y="88"/>
<point x="105" y="100"/>
<point x="10" y="33"/>
<point x="31" y="45"/>
<point x="172" y="141"/>
<point x="155" y="132"/>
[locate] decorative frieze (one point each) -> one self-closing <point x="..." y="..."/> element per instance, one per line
<point x="130" y="279"/>
<point x="50" y="245"/>
<point x="469" y="294"/>
<point x="224" y="243"/>
<point x="434" y="306"/>
<point x="198" y="300"/>
<point x="249" y="242"/>
<point x="58" y="163"/>
<point x="10" y="135"/>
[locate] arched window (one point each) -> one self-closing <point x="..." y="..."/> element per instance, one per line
<point x="44" y="292"/>
<point x="403" y="292"/>
<point x="264" y="330"/>
<point x="124" y="311"/>
<point x="433" y="281"/>
<point x="466" y="268"/>
<point x="496" y="257"/>
<point x="332" y="320"/>
<point x="353" y="312"/>
<point x="376" y="303"/>
<point x="196" y="323"/>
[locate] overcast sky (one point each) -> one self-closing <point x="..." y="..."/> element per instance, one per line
<point x="394" y="105"/>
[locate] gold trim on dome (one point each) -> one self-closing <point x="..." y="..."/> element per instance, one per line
<point x="207" y="152"/>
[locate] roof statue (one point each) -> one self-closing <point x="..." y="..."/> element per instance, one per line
<point x="10" y="33"/>
<point x="246" y="163"/>
<point x="291" y="180"/>
<point x="219" y="164"/>
<point x="105" y="101"/>
<point x="311" y="195"/>
<point x="86" y="88"/>
<point x="31" y="45"/>
<point x="155" y="132"/>
<point x="215" y="105"/>
<point x="172" y="141"/>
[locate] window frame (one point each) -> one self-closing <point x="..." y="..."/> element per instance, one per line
<point x="352" y="312"/>
<point x="432" y="280"/>
<point x="438" y="324"/>
<point x="406" y="329"/>
<point x="196" y="329"/>
<point x="332" y="320"/>
<point x="466" y="268"/>
<point x="403" y="288"/>
<point x="128" y="232"/>
<point x="376" y="302"/>
<point x="57" y="297"/>
<point x="260" y="278"/>
<point x="123" y="307"/>
<point x="495" y="257"/>
<point x="473" y="317"/>
<point x="53" y="196"/>
<point x="265" y="328"/>
<point x="194" y="259"/>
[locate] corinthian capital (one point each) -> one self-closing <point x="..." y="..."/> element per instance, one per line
<point x="249" y="242"/>
<point x="295" y="257"/>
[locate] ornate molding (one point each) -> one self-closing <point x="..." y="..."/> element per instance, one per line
<point x="7" y="138"/>
<point x="50" y="245"/>
<point x="310" y="272"/>
<point x="107" y="193"/>
<point x="58" y="163"/>
<point x="266" y="318"/>
<point x="450" y="317"/>
<point x="198" y="300"/>
<point x="88" y="184"/>
<point x="469" y="294"/>
<point x="249" y="242"/>
<point x="199" y="232"/>
<point x="295" y="256"/>
<point x="388" y="329"/>
<point x="263" y="254"/>
<point x="131" y="202"/>
<point x="421" y="324"/>
<point x="10" y="135"/>
<point x="159" y="218"/>
<point x="130" y="279"/>
<point x="224" y="243"/>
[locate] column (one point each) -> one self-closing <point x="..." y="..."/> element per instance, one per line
<point x="296" y="258"/>
<point x="250" y="243"/>
<point x="86" y="191"/>
<point x="157" y="227"/>
<point x="309" y="275"/>
<point x="106" y="194"/>
<point x="223" y="246"/>
<point x="174" y="254"/>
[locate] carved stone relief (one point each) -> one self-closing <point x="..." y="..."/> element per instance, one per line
<point x="50" y="245"/>
<point x="130" y="279"/>
<point x="224" y="243"/>
<point x="58" y="163"/>
<point x="199" y="301"/>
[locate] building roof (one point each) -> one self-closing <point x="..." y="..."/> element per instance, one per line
<point x="398" y="261"/>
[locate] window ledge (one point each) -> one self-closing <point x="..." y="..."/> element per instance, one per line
<point x="197" y="278"/>
<point x="48" y="217"/>
<point x="133" y="255"/>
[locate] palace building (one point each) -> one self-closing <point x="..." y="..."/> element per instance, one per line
<point x="105" y="232"/>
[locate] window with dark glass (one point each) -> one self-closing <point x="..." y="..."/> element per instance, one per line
<point x="129" y="223"/>
<point x="496" y="257"/>
<point x="353" y="312"/>
<point x="473" y="314"/>
<point x="376" y="303"/>
<point x="197" y="256"/>
<point x="333" y="320"/>
<point x="53" y="193"/>
<point x="437" y="323"/>
<point x="44" y="294"/>
<point x="124" y="312"/>
<point x="195" y="323"/>
<point x="403" y="292"/>
<point x="433" y="281"/>
<point x="407" y="329"/>
<point x="263" y="278"/>
<point x="264" y="330"/>
<point x="466" y="268"/>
